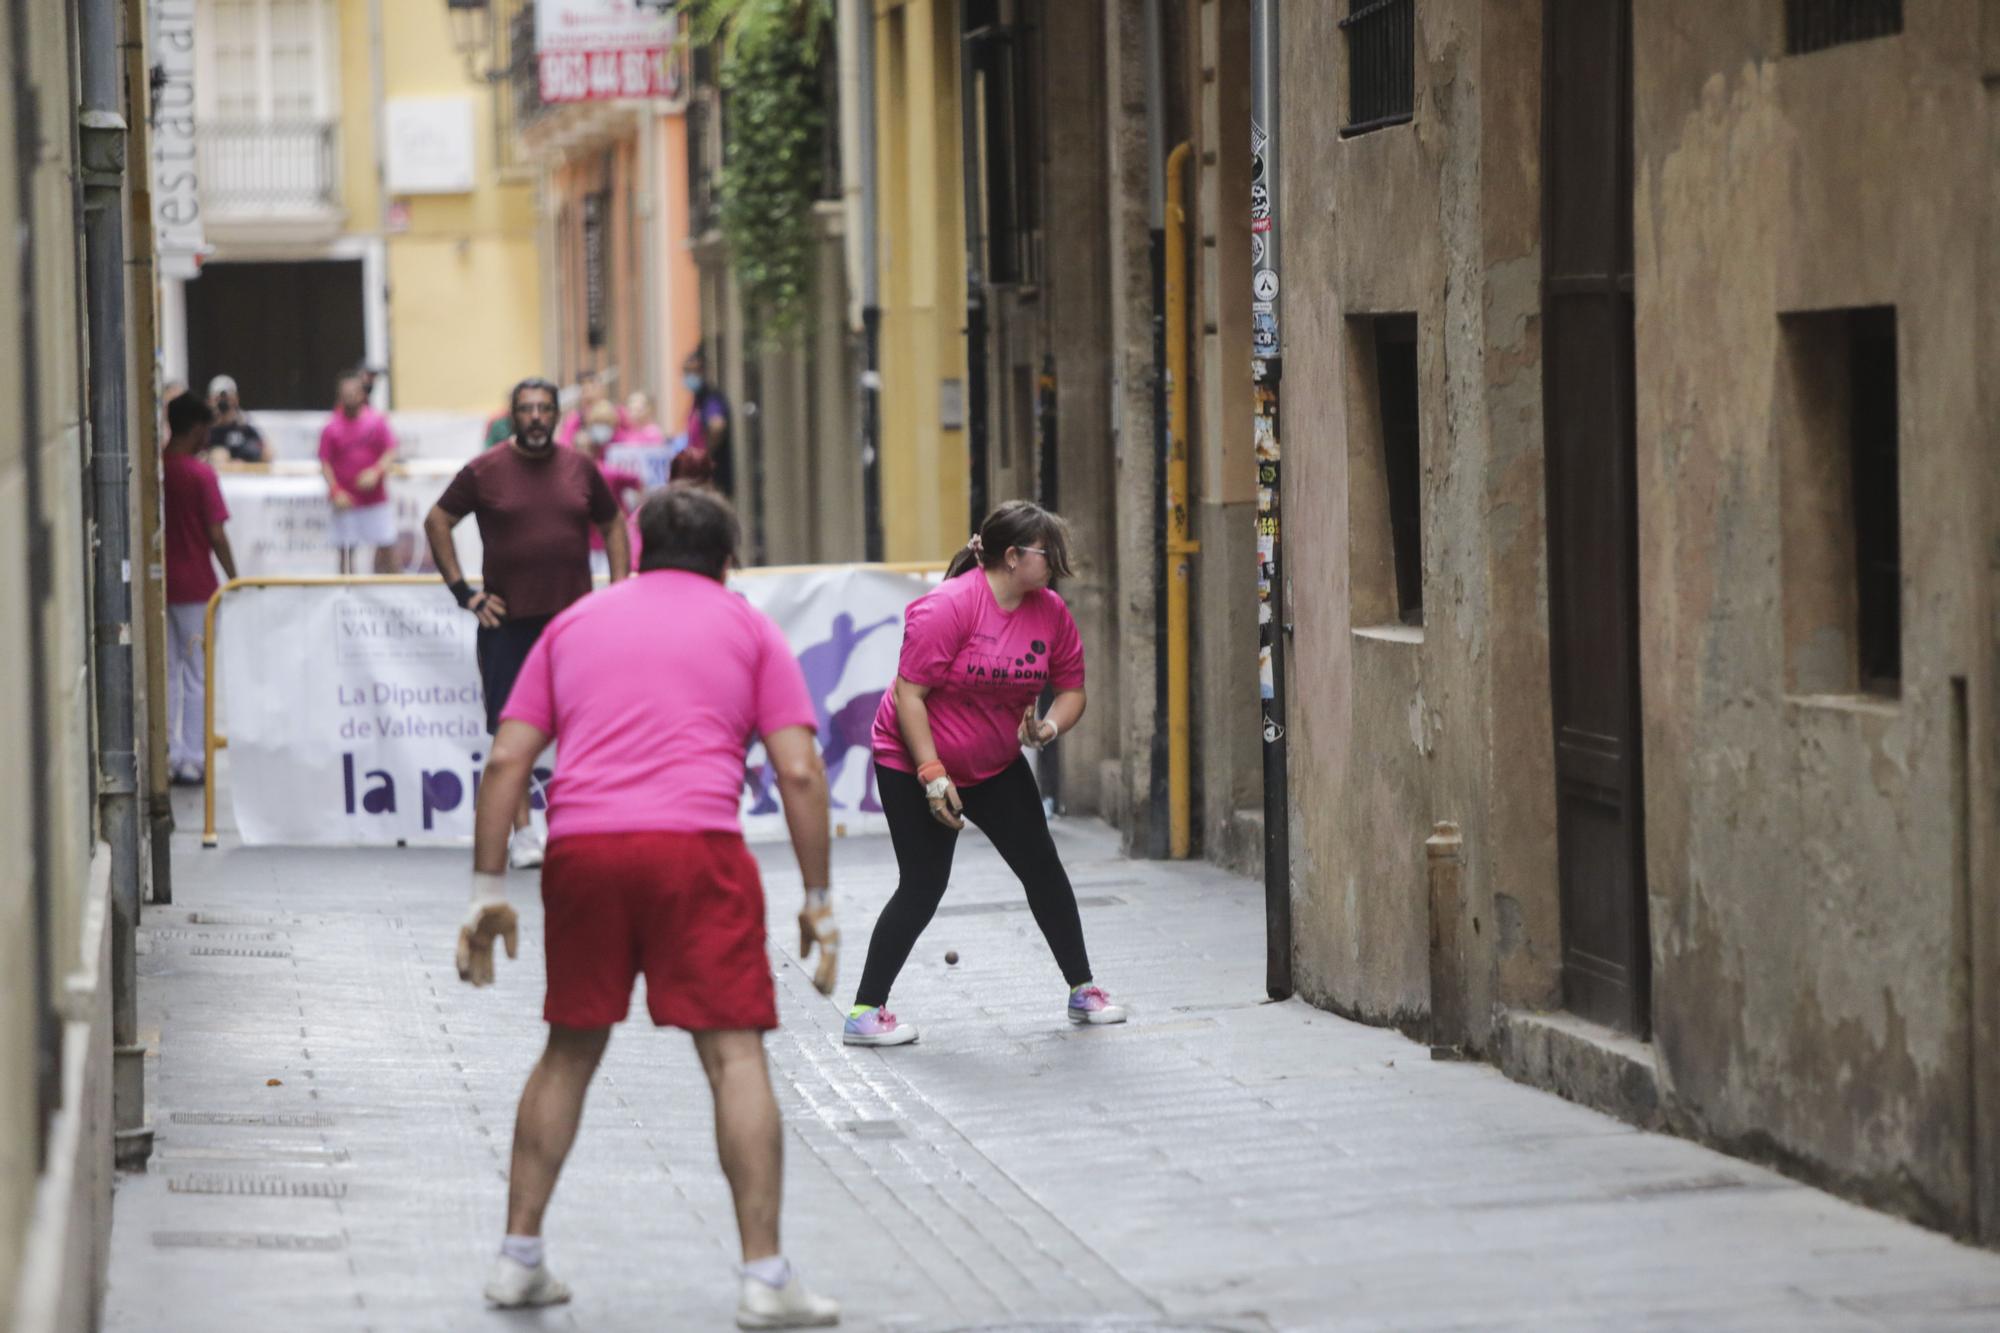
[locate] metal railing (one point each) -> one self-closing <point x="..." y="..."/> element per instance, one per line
<point x="1814" y="25"/>
<point x="1381" y="64"/>
<point x="269" y="165"/>
<point x="524" y="73"/>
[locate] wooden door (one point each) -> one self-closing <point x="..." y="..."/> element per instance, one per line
<point x="285" y="331"/>
<point x="1592" y="507"/>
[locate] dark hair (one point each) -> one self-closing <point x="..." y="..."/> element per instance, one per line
<point x="692" y="465"/>
<point x="532" y="382"/>
<point x="1017" y="523"/>
<point x="357" y="373"/>
<point x="187" y="411"/>
<point x="687" y="527"/>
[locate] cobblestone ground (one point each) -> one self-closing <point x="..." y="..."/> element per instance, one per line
<point x="334" y="1107"/>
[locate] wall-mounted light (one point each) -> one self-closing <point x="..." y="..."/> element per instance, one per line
<point x="472" y="38"/>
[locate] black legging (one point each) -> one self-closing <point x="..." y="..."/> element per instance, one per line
<point x="1008" y="809"/>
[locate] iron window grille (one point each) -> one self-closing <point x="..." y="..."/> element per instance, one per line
<point x="524" y="75"/>
<point x="1006" y="69"/>
<point x="596" y="266"/>
<point x="1814" y="25"/>
<point x="1381" y="64"/>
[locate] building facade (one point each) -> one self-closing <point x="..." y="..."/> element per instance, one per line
<point x="350" y="164"/>
<point x="1640" y="529"/>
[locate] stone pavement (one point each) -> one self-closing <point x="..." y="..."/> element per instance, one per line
<point x="1219" y="1163"/>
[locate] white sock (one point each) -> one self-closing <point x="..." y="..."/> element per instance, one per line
<point x="773" y="1270"/>
<point x="523" y="1250"/>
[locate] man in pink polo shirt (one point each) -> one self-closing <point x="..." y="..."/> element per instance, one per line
<point x="355" y="450"/>
<point x="647" y="872"/>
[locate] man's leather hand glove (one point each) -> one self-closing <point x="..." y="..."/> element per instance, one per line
<point x="816" y="927"/>
<point x="487" y="918"/>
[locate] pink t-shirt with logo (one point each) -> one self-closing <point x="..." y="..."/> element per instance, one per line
<point x="350" y="446"/>
<point x="653" y="689"/>
<point x="983" y="666"/>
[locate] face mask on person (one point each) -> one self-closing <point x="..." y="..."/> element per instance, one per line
<point x="601" y="433"/>
<point x="692" y="380"/>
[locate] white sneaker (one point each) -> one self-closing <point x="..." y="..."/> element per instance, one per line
<point x="514" y="1285"/>
<point x="524" y="848"/>
<point x="790" y="1306"/>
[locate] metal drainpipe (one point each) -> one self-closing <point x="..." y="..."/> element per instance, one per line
<point x="1159" y="761"/>
<point x="1179" y="545"/>
<point x="102" y="143"/>
<point x="48" y="1031"/>
<point x="975" y="277"/>
<point x="871" y="301"/>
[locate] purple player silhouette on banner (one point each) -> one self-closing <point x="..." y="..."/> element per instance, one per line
<point x="841" y="730"/>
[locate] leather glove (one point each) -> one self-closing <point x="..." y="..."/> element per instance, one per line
<point x="1036" y="733"/>
<point x="487" y="918"/>
<point x="946" y="808"/>
<point x="816" y="927"/>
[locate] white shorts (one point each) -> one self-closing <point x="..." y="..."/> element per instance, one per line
<point x="374" y="525"/>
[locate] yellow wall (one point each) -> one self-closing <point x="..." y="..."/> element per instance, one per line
<point x="922" y="249"/>
<point x="464" y="282"/>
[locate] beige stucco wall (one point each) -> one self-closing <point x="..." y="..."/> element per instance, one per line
<point x="1809" y="952"/>
<point x="1819" y="868"/>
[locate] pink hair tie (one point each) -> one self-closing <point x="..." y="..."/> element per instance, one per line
<point x="977" y="547"/>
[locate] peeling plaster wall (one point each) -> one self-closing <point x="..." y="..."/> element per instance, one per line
<point x="1809" y="982"/>
<point x="1394" y="729"/>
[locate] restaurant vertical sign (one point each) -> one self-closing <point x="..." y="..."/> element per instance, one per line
<point x="177" y="229"/>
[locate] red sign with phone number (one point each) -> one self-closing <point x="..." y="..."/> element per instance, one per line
<point x="603" y="76"/>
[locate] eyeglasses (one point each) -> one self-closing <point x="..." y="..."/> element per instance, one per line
<point x="1032" y="550"/>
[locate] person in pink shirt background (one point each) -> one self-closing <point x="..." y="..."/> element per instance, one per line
<point x="640" y="425"/>
<point x="355" y="451"/>
<point x="590" y="391"/>
<point x="627" y="487"/>
<point x="191" y="533"/>
<point x="978" y="650"/>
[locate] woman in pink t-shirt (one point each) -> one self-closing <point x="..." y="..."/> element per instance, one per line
<point x="978" y="650"/>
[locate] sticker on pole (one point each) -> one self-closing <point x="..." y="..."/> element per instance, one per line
<point x="1265" y="284"/>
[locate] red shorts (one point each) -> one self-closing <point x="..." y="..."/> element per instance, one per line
<point x="686" y="909"/>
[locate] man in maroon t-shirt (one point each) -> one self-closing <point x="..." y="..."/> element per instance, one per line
<point x="190" y="535"/>
<point x="536" y="505"/>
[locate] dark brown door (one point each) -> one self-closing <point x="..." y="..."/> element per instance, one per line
<point x="1593" y="510"/>
<point x="285" y="331"/>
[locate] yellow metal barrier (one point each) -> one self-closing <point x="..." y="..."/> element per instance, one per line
<point x="211" y="742"/>
<point x="1180" y="768"/>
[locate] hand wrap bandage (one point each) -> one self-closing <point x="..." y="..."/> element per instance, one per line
<point x="816" y="927"/>
<point x="487" y="918"/>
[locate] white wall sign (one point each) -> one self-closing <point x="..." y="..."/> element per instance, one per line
<point x="602" y="50"/>
<point x="177" y="227"/>
<point x="429" y="145"/>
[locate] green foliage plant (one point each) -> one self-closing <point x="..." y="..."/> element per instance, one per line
<point x="769" y="62"/>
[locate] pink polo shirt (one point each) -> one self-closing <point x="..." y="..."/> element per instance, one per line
<point x="350" y="446"/>
<point x="983" y="666"/>
<point x="653" y="689"/>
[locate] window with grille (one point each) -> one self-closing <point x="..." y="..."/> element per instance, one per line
<point x="1381" y="63"/>
<point x="1005" y="65"/>
<point x="1814" y="25"/>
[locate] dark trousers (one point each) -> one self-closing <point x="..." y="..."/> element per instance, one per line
<point x="1008" y="809"/>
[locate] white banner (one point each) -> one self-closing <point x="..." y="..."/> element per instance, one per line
<point x="280" y="522"/>
<point x="373" y="728"/>
<point x="603" y="50"/>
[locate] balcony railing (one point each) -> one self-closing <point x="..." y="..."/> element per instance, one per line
<point x="524" y="76"/>
<point x="269" y="167"/>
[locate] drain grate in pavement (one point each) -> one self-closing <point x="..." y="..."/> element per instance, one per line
<point x="1020" y="905"/>
<point x="226" y="951"/>
<point x="1100" y="1325"/>
<point x="269" y="1119"/>
<point x="874" y="1129"/>
<point x="234" y="919"/>
<point x="177" y="933"/>
<point x="245" y="1240"/>
<point x="264" y="1187"/>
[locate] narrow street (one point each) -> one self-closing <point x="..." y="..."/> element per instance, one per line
<point x="334" y="1108"/>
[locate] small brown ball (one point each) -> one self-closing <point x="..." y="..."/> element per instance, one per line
<point x="951" y="957"/>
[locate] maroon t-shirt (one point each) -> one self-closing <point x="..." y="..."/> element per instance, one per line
<point x="535" y="517"/>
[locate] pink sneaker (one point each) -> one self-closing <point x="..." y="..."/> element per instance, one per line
<point x="868" y="1025"/>
<point x="1089" y="1004"/>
